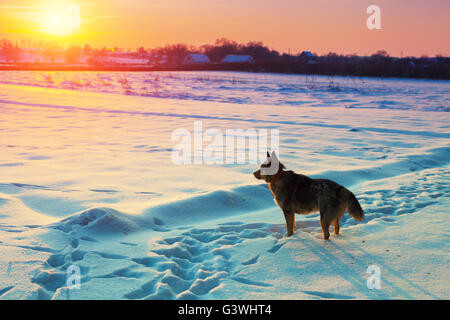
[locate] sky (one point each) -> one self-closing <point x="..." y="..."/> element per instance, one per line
<point x="408" y="27"/>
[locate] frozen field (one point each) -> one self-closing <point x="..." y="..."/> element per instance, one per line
<point x="87" y="180"/>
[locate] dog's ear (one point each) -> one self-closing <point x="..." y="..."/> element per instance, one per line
<point x="268" y="154"/>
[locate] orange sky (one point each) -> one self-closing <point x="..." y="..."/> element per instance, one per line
<point x="415" y="27"/>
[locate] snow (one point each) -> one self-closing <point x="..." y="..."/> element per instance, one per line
<point x="124" y="60"/>
<point x="231" y="58"/>
<point x="196" y="58"/>
<point x="86" y="180"/>
<point x="308" y="55"/>
<point x="245" y="89"/>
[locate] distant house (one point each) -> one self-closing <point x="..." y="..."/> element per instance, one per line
<point x="193" y="58"/>
<point x="41" y="56"/>
<point x="123" y="58"/>
<point x="231" y="58"/>
<point x="163" y="59"/>
<point x="308" y="57"/>
<point x="159" y="59"/>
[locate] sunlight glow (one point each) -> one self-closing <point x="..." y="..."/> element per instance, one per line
<point x="61" y="20"/>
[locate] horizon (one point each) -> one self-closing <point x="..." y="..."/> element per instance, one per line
<point x="408" y="28"/>
<point x="28" y="43"/>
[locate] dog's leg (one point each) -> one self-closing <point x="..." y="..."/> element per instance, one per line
<point x="325" y="224"/>
<point x="336" y="226"/>
<point x="290" y="222"/>
<point x="342" y="209"/>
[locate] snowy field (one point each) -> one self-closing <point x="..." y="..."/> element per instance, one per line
<point x="87" y="184"/>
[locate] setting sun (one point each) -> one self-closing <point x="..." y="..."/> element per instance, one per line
<point x="61" y="20"/>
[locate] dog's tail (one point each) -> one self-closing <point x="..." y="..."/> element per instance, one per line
<point x="354" y="208"/>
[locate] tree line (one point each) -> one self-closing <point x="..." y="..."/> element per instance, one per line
<point x="379" y="64"/>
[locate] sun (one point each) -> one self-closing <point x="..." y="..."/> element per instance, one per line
<point x="61" y="20"/>
<point x="55" y="23"/>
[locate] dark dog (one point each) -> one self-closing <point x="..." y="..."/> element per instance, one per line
<point x="296" y="193"/>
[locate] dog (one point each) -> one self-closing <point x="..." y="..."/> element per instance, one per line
<point x="297" y="193"/>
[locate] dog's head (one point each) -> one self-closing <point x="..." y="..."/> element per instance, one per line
<point x="270" y="168"/>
